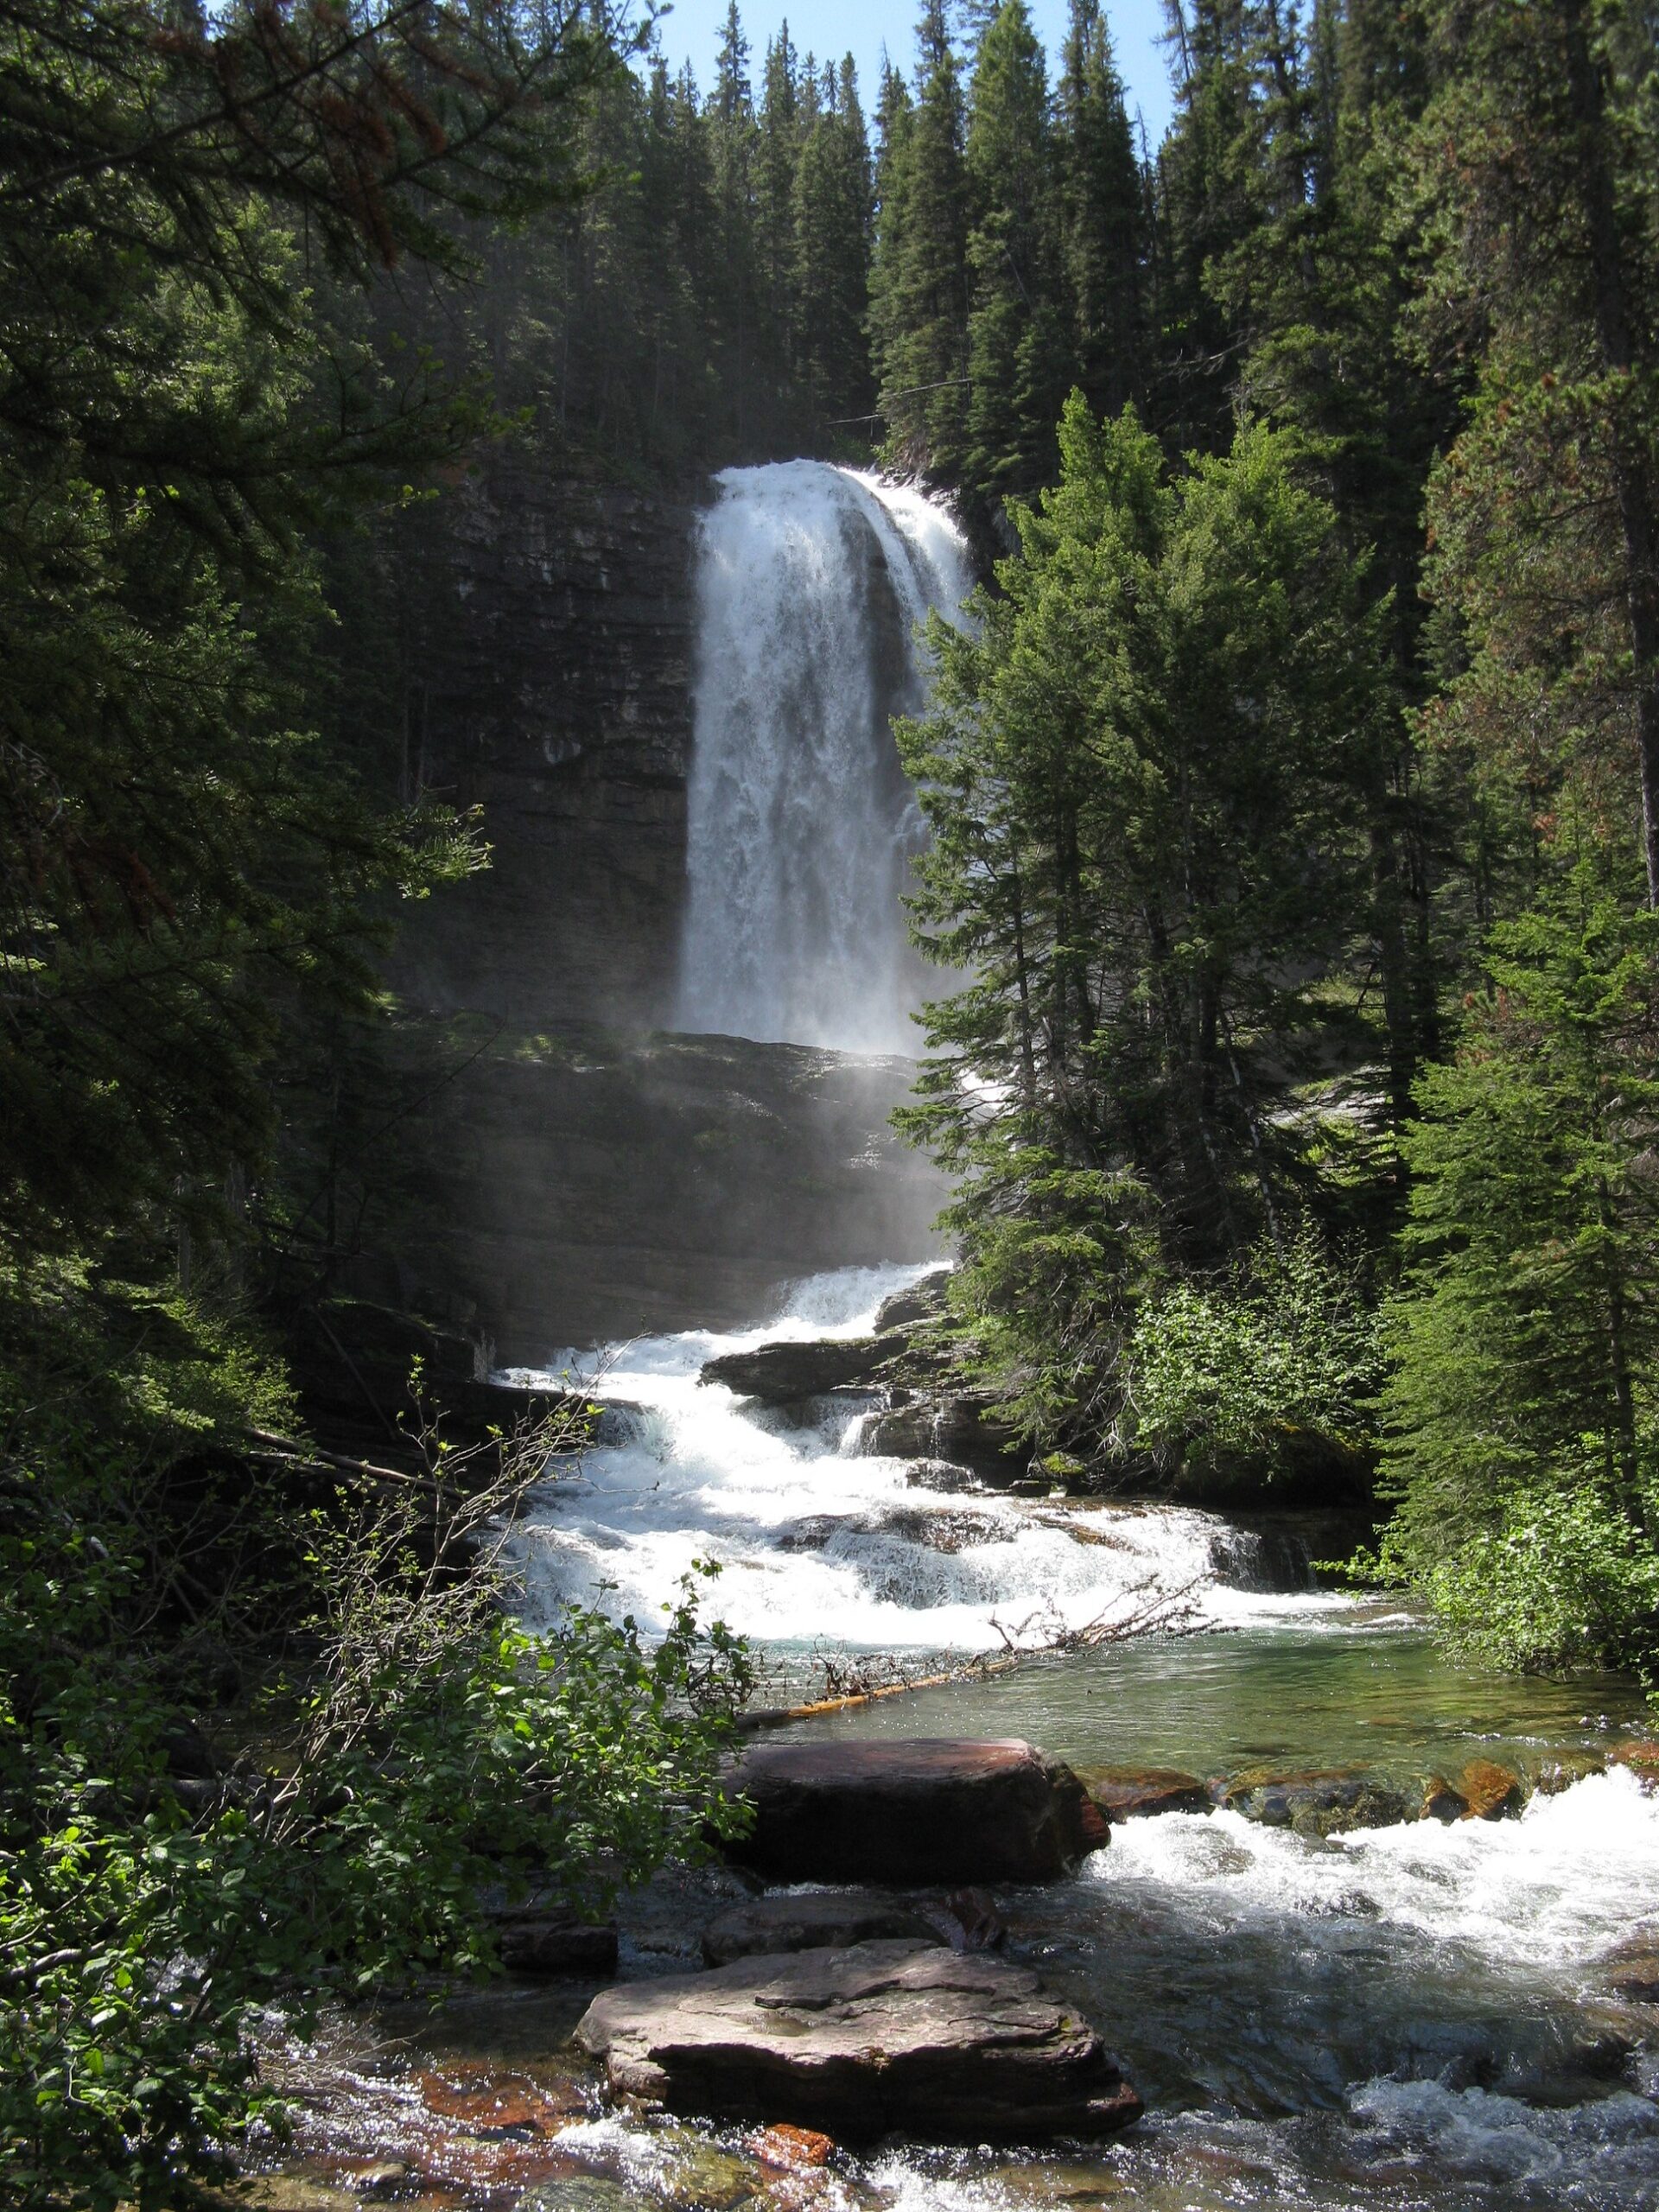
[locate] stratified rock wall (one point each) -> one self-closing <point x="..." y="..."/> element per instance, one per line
<point x="550" y="685"/>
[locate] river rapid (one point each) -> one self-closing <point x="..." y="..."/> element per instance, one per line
<point x="1414" y="2016"/>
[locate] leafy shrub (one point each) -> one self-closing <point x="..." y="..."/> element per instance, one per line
<point x="391" y="1742"/>
<point x="1561" y="1580"/>
<point x="1284" y="1352"/>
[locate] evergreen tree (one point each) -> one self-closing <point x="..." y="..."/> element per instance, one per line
<point x="1540" y="185"/>
<point x="733" y="134"/>
<point x="1524" y="1451"/>
<point x="1018" y="362"/>
<point x="924" y="299"/>
<point x="1205" y="211"/>
<point x="776" y="153"/>
<point x="1103" y="216"/>
<point x="1145" y="772"/>
<point x="833" y="213"/>
<point x="889" y="245"/>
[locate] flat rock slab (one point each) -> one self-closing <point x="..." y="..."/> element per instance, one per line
<point x="860" y="2042"/>
<point x="808" y="1921"/>
<point x="920" y="1810"/>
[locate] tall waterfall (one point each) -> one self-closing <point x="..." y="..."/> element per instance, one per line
<point x="811" y="582"/>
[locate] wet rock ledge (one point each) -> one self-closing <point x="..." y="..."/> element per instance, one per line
<point x="859" y="2014"/>
<point x="862" y="2040"/>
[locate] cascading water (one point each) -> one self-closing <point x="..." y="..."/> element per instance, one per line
<point x="812" y="581"/>
<point x="820" y="1542"/>
<point x="1408" y="2019"/>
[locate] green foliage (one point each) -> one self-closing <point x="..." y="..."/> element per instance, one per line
<point x="1559" y="1579"/>
<point x="385" y="1745"/>
<point x="1521" y="1413"/>
<point x="1144" y="773"/>
<point x="1280" y="1360"/>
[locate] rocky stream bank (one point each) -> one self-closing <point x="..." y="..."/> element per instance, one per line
<point x="764" y="2033"/>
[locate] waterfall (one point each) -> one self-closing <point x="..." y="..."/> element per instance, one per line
<point x="811" y="582"/>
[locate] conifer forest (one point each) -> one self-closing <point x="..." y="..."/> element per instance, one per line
<point x="1267" y="727"/>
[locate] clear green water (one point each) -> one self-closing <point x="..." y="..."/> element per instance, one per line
<point x="1416" y="2019"/>
<point x="1337" y="1685"/>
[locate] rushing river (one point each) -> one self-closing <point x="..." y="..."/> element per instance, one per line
<point x="1406" y="2017"/>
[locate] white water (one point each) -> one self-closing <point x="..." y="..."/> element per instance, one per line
<point x="1557" y="1888"/>
<point x="812" y="581"/>
<point x="814" y="1541"/>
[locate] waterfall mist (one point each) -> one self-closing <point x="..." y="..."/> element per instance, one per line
<point x="811" y="582"/>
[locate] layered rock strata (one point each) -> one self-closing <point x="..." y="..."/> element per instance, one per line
<point x="861" y="2041"/>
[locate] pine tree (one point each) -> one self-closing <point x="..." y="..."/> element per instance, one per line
<point x="733" y="134"/>
<point x="1538" y="168"/>
<point x="1018" y="358"/>
<point x="1145" y="772"/>
<point x="776" y="153"/>
<point x="833" y="211"/>
<point x="1524" y="1448"/>
<point x="924" y="296"/>
<point x="1206" y="210"/>
<point x="893" y="117"/>
<point x="1104" y="217"/>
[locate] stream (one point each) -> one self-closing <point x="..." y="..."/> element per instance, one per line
<point x="1420" y="2015"/>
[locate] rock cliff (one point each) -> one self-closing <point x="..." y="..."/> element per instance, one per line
<point x="550" y="684"/>
<point x="583" y="1184"/>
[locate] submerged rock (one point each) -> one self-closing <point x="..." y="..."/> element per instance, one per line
<point x="861" y="2041"/>
<point x="814" y="1920"/>
<point x="930" y="1531"/>
<point x="918" y="1810"/>
<point x="1316" y="1803"/>
<point x="556" y="1943"/>
<point x="1489" y="1791"/>
<point x="971" y="1921"/>
<point x="1128" y="1793"/>
<point x="946" y="1474"/>
<point x="1440" y="1802"/>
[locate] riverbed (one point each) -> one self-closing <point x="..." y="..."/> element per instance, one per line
<point x="1409" y="2016"/>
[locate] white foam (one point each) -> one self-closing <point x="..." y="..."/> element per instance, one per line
<point x="814" y="1541"/>
<point x="1480" y="2134"/>
<point x="1557" y="1888"/>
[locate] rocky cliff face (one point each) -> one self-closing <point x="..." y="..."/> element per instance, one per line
<point x="582" y="1183"/>
<point x="551" y="666"/>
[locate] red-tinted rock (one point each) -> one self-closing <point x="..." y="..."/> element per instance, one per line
<point x="924" y="1810"/>
<point x="860" y="2041"/>
<point x="791" y="2148"/>
<point x="1124" y="1793"/>
<point x="1489" y="1790"/>
<point x="1642" y="1757"/>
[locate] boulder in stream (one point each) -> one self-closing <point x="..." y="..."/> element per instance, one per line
<point x="784" y="1374"/>
<point x="1489" y="1790"/>
<point x="809" y="1920"/>
<point x="918" y="1810"/>
<point x="861" y="2041"/>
